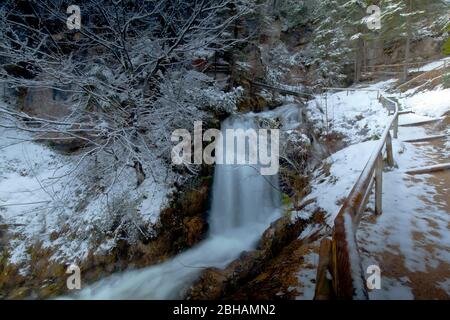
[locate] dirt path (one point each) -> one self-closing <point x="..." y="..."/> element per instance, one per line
<point x="410" y="241"/>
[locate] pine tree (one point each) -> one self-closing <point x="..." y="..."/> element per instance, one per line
<point x="403" y="19"/>
<point x="399" y="16"/>
<point x="297" y="12"/>
<point x="330" y="46"/>
<point x="341" y="37"/>
<point x="358" y="32"/>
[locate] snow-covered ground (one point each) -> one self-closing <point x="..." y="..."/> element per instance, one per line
<point x="431" y="66"/>
<point x="360" y="118"/>
<point x="50" y="198"/>
<point x="340" y="172"/>
<point x="411" y="240"/>
<point x="307" y="274"/>
<point x="428" y="103"/>
<point x="352" y="112"/>
<point x="358" y="115"/>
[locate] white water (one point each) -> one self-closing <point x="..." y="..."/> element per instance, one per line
<point x="243" y="205"/>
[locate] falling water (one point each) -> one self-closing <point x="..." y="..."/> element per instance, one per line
<point x="241" y="195"/>
<point x="243" y="204"/>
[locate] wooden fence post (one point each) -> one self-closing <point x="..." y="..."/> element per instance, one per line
<point x="389" y="151"/>
<point x="379" y="185"/>
<point x="323" y="286"/>
<point x="396" y="128"/>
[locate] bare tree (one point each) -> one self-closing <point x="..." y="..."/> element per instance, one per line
<point x="128" y="70"/>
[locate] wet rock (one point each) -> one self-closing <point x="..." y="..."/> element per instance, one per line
<point x="279" y="279"/>
<point x="250" y="266"/>
<point x="215" y="283"/>
<point x="210" y="285"/>
<point x="194" y="227"/>
<point x="252" y="103"/>
<point x="19" y="293"/>
<point x="281" y="232"/>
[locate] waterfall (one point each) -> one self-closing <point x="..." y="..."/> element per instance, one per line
<point x="241" y="195"/>
<point x="243" y="204"/>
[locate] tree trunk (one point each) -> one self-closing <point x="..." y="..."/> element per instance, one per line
<point x="408" y="42"/>
<point x="407" y="54"/>
<point x="358" y="59"/>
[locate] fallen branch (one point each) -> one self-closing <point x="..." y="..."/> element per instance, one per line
<point x="429" y="169"/>
<point x="436" y="137"/>
<point x="420" y="123"/>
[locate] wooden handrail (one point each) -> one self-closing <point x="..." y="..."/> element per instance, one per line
<point x="345" y="264"/>
<point x="401" y="64"/>
<point x="350" y="89"/>
<point x="444" y="66"/>
<point x="278" y="89"/>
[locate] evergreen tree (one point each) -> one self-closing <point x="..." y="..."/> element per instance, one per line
<point x="330" y="46"/>
<point x="404" y="19"/>
<point x="402" y="16"/>
<point x="358" y="32"/>
<point x="297" y="12"/>
<point x="340" y="39"/>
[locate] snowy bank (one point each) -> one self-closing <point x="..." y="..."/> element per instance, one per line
<point x="429" y="103"/>
<point x="62" y="203"/>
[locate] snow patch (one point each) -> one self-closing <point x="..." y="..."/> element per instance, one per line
<point x="45" y="198"/>
<point x="430" y="103"/>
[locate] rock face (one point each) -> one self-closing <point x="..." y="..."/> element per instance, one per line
<point x="51" y="104"/>
<point x="185" y="222"/>
<point x="279" y="279"/>
<point x="233" y="281"/>
<point x="426" y="48"/>
<point x="46" y="103"/>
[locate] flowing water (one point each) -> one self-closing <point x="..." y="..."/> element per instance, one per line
<point x="243" y="204"/>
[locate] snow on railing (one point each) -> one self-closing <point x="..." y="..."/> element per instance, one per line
<point x="399" y="67"/>
<point x="340" y="254"/>
<point x="444" y="66"/>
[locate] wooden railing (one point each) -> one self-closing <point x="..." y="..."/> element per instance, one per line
<point x="283" y="91"/>
<point x="395" y="68"/>
<point x="340" y="254"/>
<point x="437" y="72"/>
